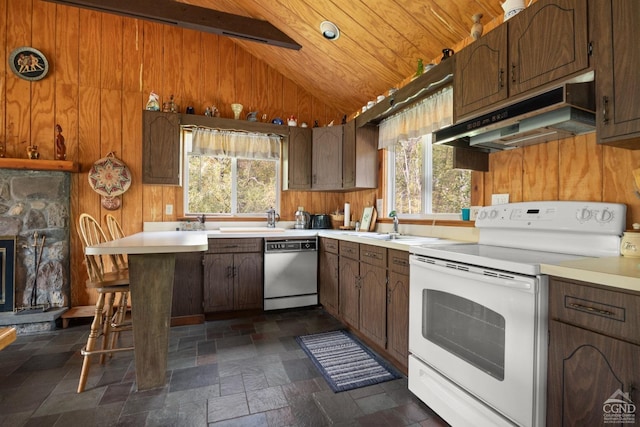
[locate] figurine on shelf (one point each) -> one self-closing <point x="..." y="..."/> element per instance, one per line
<point x="420" y="68"/>
<point x="32" y="152"/>
<point x="476" y="28"/>
<point x="153" y="103"/>
<point x="61" y="149"/>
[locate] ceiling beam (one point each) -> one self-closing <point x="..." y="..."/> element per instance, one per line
<point x="191" y="17"/>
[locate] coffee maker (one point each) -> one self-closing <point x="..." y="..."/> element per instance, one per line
<point x="303" y="219"/>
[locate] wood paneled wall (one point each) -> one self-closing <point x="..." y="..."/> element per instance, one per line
<point x="571" y="169"/>
<point x="102" y="69"/>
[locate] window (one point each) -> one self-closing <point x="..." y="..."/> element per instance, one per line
<point x="224" y="177"/>
<point x="422" y="180"/>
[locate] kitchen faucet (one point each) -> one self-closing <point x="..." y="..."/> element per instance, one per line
<point x="396" y="222"/>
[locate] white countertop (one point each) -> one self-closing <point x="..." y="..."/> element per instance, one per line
<point x="153" y="242"/>
<point x="618" y="271"/>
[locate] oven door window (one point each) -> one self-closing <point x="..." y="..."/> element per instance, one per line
<point x="469" y="330"/>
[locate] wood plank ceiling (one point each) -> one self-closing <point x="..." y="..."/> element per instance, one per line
<point x="378" y="48"/>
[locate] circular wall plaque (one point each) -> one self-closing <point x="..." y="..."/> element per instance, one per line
<point x="28" y="63"/>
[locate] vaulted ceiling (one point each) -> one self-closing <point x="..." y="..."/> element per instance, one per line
<point x="378" y="48"/>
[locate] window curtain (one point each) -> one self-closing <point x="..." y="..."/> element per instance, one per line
<point x="224" y="143"/>
<point x="425" y="117"/>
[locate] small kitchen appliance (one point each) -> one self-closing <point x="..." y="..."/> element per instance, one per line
<point x="272" y="218"/>
<point x="303" y="219"/>
<point x="478" y="313"/>
<point x="321" y="221"/>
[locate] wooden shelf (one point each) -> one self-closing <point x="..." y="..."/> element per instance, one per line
<point x="39" y="165"/>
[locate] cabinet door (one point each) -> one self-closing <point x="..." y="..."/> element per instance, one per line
<point x="248" y="284"/>
<point x="297" y="160"/>
<point x="398" y="306"/>
<point x="360" y="156"/>
<point x="187" y="285"/>
<point x="585" y="369"/>
<point x="218" y="282"/>
<point x="327" y="158"/>
<point x="547" y="42"/>
<point x="373" y="303"/>
<point x="481" y="73"/>
<point x="618" y="112"/>
<point x="160" y="148"/>
<point x="349" y="293"/>
<point x="328" y="281"/>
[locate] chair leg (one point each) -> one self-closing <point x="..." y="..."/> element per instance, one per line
<point x="118" y="318"/>
<point x="106" y="326"/>
<point x="91" y="342"/>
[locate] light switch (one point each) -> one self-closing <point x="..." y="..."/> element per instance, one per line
<point x="168" y="209"/>
<point x="499" y="199"/>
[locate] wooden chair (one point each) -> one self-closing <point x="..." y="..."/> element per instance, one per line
<point x="115" y="231"/>
<point x="108" y="285"/>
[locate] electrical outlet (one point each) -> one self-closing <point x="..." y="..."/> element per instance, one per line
<point x="168" y="209"/>
<point x="499" y="199"/>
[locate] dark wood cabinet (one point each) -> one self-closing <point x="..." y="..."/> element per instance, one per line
<point x="398" y="307"/>
<point x="160" y="148"/>
<point x="593" y="353"/>
<point x="296" y="162"/>
<point x="328" y="275"/>
<point x="548" y="41"/>
<point x="326" y="158"/>
<point x="373" y="293"/>
<point x="186" y="307"/>
<point x="359" y="156"/>
<point x="545" y="43"/>
<point x="349" y="283"/>
<point x="233" y="275"/>
<point x="618" y="112"/>
<point x="480" y="78"/>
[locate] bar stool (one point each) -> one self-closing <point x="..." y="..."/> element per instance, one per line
<point x="108" y="285"/>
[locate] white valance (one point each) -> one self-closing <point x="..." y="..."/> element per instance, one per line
<point x="425" y="117"/>
<point x="226" y="143"/>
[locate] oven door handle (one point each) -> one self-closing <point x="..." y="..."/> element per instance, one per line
<point x="488" y="279"/>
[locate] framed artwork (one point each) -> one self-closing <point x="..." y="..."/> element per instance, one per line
<point x="365" y="222"/>
<point x="7" y="263"/>
<point x="28" y="63"/>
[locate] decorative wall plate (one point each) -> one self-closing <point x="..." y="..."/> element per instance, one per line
<point x="28" y="63"/>
<point x="109" y="176"/>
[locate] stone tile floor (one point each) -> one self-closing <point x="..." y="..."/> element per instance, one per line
<point x="240" y="372"/>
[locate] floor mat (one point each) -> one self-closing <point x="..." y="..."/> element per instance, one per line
<point x="344" y="362"/>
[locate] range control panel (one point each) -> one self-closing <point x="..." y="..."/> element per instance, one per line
<point x="609" y="218"/>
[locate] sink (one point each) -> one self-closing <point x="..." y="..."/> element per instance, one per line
<point x="400" y="238"/>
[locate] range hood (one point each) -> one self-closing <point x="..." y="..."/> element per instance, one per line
<point x="559" y="113"/>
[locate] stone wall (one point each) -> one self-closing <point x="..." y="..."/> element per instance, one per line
<point x="38" y="201"/>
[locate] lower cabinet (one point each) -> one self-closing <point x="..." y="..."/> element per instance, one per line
<point x="328" y="275"/>
<point x="233" y="275"/>
<point x="593" y="374"/>
<point x="398" y="307"/>
<point x="349" y="282"/>
<point x="186" y="304"/>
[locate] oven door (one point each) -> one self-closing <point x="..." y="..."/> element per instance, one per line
<point x="482" y="330"/>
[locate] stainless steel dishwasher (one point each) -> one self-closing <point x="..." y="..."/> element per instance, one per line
<point x="290" y="272"/>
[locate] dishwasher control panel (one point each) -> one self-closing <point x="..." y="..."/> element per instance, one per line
<point x="290" y="245"/>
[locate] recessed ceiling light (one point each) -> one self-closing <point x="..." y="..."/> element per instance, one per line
<point x="329" y="30"/>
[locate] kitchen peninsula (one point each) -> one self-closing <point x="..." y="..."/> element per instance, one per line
<point x="151" y="267"/>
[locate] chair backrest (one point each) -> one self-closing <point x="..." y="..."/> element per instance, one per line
<point x="91" y="234"/>
<point x="115" y="231"/>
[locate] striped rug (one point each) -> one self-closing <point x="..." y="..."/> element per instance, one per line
<point x="344" y="362"/>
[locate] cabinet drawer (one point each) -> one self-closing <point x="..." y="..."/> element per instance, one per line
<point x="224" y="246"/>
<point x="374" y="255"/>
<point x="399" y="261"/>
<point x="349" y="249"/>
<point x="610" y="312"/>
<point x="329" y="245"/>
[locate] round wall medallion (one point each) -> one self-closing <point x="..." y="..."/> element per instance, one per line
<point x="28" y="63"/>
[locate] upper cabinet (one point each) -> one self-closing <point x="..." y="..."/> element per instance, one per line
<point x="359" y="156"/>
<point x="296" y="160"/>
<point x="161" y="148"/>
<point x="326" y="158"/>
<point x="545" y="43"/>
<point x="617" y="88"/>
